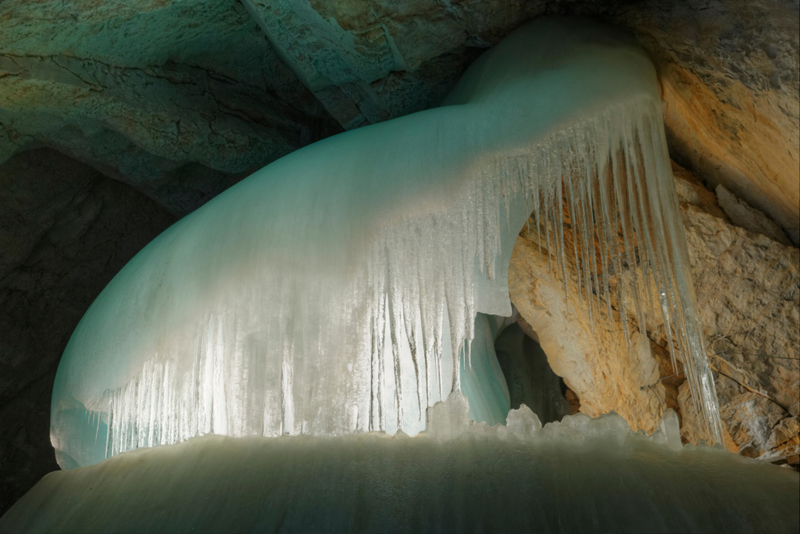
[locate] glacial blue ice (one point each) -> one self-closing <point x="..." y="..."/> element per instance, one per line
<point x="340" y="289"/>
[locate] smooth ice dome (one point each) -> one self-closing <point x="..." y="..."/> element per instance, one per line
<point x="350" y="285"/>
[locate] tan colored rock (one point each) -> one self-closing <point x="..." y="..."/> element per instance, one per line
<point x="597" y="366"/>
<point x="690" y="191"/>
<point x="748" y="218"/>
<point x="573" y="400"/>
<point x="754" y="426"/>
<point x="748" y="295"/>
<point x="745" y="143"/>
<point x="749" y="301"/>
<point x="730" y="83"/>
<point x="670" y="379"/>
<point x="693" y="428"/>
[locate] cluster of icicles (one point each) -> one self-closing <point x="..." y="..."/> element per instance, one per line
<point x="364" y="328"/>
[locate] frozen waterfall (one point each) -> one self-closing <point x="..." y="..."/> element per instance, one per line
<point x="580" y="475"/>
<point x="341" y="288"/>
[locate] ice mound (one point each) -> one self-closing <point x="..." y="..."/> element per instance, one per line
<point x="339" y="289"/>
<point x="580" y="475"/>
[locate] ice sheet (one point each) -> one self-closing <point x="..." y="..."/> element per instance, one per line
<point x="581" y="475"/>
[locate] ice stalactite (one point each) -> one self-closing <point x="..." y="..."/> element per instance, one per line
<point x="337" y="290"/>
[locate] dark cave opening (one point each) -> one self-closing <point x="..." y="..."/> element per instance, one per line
<point x="530" y="379"/>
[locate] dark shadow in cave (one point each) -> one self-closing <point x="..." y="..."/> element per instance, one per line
<point x="529" y="377"/>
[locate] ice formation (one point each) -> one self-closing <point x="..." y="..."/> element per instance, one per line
<point x="580" y="475"/>
<point x="338" y="290"/>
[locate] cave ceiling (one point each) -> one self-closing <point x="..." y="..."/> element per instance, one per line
<point x="182" y="98"/>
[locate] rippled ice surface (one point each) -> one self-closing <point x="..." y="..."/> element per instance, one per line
<point x="580" y="475"/>
<point x="336" y="291"/>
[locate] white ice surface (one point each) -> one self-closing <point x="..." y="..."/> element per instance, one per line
<point x="580" y="475"/>
<point x="336" y="290"/>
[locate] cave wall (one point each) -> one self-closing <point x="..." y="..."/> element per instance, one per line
<point x="65" y="231"/>
<point x="139" y="89"/>
<point x="748" y="295"/>
<point x="179" y="98"/>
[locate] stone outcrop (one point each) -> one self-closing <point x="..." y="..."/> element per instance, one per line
<point x="731" y="90"/>
<point x="748" y="291"/>
<point x="180" y="99"/>
<point x="593" y="359"/>
<point x="750" y="219"/>
<point x="748" y="294"/>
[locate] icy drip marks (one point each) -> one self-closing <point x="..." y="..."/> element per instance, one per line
<point x="610" y="177"/>
<point x="450" y="420"/>
<point x="341" y="289"/>
<point x="607" y="176"/>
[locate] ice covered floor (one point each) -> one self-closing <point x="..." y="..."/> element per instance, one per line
<point x="581" y="475"/>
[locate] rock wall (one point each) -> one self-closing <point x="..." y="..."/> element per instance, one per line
<point x="179" y="98"/>
<point x="731" y="91"/>
<point x="183" y="97"/>
<point x="593" y="359"/>
<point x="748" y="291"/>
<point x="749" y="302"/>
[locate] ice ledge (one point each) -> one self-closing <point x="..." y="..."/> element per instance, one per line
<point x="449" y="420"/>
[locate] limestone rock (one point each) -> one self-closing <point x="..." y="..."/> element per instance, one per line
<point x="593" y="359"/>
<point x="731" y="90"/>
<point x="749" y="300"/>
<point x="748" y="218"/>
<point x="573" y="400"/>
<point x="754" y="426"/>
<point x="693" y="429"/>
<point x="690" y="191"/>
<point x="149" y="92"/>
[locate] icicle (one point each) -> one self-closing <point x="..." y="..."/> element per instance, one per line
<point x="548" y="211"/>
<point x="562" y="260"/>
<point x="603" y="236"/>
<point x="636" y="228"/>
<point x="277" y="306"/>
<point x="395" y="320"/>
<point x="587" y="239"/>
<point x="537" y="211"/>
<point x="573" y="221"/>
<point x="619" y="224"/>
